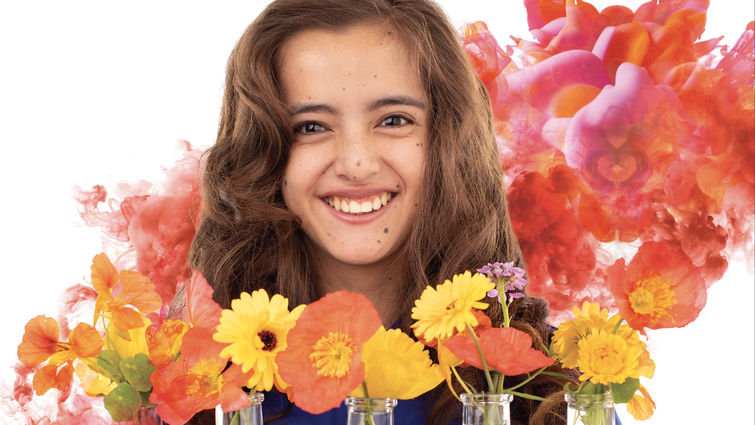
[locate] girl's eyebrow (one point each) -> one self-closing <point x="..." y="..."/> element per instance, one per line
<point x="396" y="100"/>
<point x="302" y="108"/>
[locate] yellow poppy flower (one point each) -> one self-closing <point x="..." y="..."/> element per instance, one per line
<point x="397" y="367"/>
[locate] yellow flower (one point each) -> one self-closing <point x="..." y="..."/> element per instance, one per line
<point x="448" y="307"/>
<point x="128" y="343"/>
<point x="641" y="406"/>
<point x="93" y="383"/>
<point x="606" y="358"/>
<point x="591" y="319"/>
<point x="396" y="366"/>
<point x="256" y="328"/>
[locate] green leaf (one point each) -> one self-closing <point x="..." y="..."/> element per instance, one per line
<point x="137" y="370"/>
<point x="122" y="402"/>
<point x="624" y="392"/>
<point x="109" y="360"/>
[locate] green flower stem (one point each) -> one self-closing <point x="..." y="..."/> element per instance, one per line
<point x="369" y="419"/>
<point x="482" y="357"/>
<point x="556" y="374"/>
<point x="235" y="420"/>
<point x="525" y="395"/>
<point x="618" y="325"/>
<point x="529" y="378"/>
<point x="461" y="381"/>
<point x="499" y="377"/>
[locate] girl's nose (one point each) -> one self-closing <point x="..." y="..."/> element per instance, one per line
<point x="357" y="158"/>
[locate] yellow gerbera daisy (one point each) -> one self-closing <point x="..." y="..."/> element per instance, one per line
<point x="448" y="307"/>
<point x="397" y="367"/>
<point x="587" y="321"/>
<point x="256" y="327"/>
<point x="606" y="358"/>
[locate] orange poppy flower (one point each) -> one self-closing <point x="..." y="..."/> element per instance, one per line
<point x="118" y="292"/>
<point x="198" y="381"/>
<point x="323" y="360"/>
<point x="660" y="288"/>
<point x="507" y="350"/>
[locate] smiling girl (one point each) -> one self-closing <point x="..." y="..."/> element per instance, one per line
<point x="356" y="151"/>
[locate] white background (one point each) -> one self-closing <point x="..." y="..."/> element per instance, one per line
<point x="99" y="92"/>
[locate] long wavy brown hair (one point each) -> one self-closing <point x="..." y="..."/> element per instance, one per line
<point x="247" y="239"/>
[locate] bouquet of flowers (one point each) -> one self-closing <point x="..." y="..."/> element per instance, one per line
<point x="134" y="356"/>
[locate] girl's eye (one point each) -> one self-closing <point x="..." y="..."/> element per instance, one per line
<point x="395" y="121"/>
<point x="308" y="128"/>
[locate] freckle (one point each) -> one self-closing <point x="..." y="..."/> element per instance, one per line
<point x="390" y="32"/>
<point x="323" y="171"/>
<point x="416" y="205"/>
<point x="329" y="235"/>
<point x="378" y="240"/>
<point x="385" y="230"/>
<point x="359" y="163"/>
<point x="390" y="277"/>
<point x="309" y="97"/>
<point x="343" y="88"/>
<point x="397" y="186"/>
<point x="417" y="144"/>
<point x="374" y="76"/>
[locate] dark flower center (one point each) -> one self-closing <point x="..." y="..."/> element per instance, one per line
<point x="269" y="340"/>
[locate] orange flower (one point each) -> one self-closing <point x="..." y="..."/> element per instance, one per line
<point x="323" y="360"/>
<point x="117" y="291"/>
<point x="198" y="381"/>
<point x="508" y="350"/>
<point x="52" y="376"/>
<point x="165" y="341"/>
<point x="660" y="288"/>
<point x="641" y="406"/>
<point x="40" y="343"/>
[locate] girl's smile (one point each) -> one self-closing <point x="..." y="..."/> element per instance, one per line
<point x="355" y="171"/>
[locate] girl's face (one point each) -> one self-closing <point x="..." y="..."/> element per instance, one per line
<point x="360" y="120"/>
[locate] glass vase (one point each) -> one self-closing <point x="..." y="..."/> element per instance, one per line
<point x="250" y="415"/>
<point x="370" y="411"/>
<point x="486" y="409"/>
<point x="589" y="409"/>
<point x="147" y="415"/>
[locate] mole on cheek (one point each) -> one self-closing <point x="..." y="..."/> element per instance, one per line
<point x="385" y="230"/>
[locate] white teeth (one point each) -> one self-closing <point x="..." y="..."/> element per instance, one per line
<point x="354" y="207"/>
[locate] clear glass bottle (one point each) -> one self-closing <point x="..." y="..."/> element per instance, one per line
<point x="370" y="411"/>
<point x="147" y="415"/>
<point x="486" y="409"/>
<point x="590" y="409"/>
<point x="251" y="415"/>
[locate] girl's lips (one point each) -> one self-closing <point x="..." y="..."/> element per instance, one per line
<point x="364" y="205"/>
<point x="360" y="217"/>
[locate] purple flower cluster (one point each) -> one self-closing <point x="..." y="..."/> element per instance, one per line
<point x="507" y="277"/>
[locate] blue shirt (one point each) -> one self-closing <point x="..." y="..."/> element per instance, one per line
<point x="407" y="412"/>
